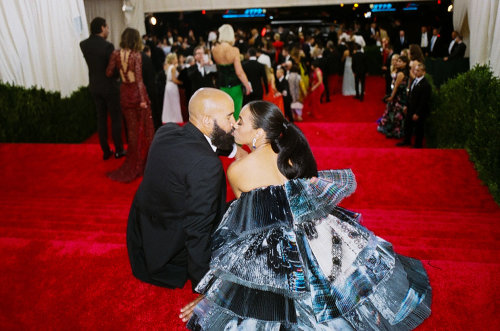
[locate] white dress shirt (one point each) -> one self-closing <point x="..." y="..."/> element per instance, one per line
<point x="451" y="46"/>
<point x="424" y="41"/>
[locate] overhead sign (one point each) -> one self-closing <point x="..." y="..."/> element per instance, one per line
<point x="248" y="13"/>
<point x="383" y="7"/>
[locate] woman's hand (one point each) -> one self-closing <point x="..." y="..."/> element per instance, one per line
<point x="389" y="99"/>
<point x="144" y="104"/>
<point x="248" y="89"/>
<point x="187" y="310"/>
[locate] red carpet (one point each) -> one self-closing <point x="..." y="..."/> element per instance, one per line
<point x="63" y="259"/>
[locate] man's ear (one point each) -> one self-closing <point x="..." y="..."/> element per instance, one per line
<point x="207" y="122"/>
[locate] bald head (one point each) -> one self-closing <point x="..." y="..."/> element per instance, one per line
<point x="208" y="105"/>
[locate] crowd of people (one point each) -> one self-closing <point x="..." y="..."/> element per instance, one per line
<point x="283" y="255"/>
<point x="291" y="68"/>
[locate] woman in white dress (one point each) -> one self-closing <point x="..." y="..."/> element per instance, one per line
<point x="348" y="86"/>
<point x="171" y="100"/>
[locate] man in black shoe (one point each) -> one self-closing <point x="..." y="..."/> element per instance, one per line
<point x="256" y="73"/>
<point x="182" y="196"/>
<point x="359" y="69"/>
<point x="197" y="73"/>
<point x="97" y="51"/>
<point x="418" y="108"/>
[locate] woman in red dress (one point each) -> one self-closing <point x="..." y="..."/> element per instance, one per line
<point x="273" y="96"/>
<point x="316" y="88"/>
<point x="278" y="46"/>
<point x="135" y="105"/>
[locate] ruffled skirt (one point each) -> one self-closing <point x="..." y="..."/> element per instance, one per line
<point x="330" y="273"/>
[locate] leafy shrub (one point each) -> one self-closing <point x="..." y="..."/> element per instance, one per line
<point x="35" y="115"/>
<point x="466" y="114"/>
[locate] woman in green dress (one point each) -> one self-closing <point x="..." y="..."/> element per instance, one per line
<point x="231" y="77"/>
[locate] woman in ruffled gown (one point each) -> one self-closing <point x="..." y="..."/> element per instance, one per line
<point x="172" y="100"/>
<point x="135" y="105"/>
<point x="286" y="257"/>
<point x="392" y="122"/>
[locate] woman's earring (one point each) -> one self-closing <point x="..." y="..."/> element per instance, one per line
<point x="253" y="143"/>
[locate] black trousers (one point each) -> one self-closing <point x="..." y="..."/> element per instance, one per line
<point x="417" y="126"/>
<point x="288" y="109"/>
<point x="108" y="102"/>
<point x="360" y="78"/>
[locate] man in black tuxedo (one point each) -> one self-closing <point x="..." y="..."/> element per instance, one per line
<point x="149" y="79"/>
<point x="105" y="92"/>
<point x="401" y="42"/>
<point x="418" y="108"/>
<point x="256" y="74"/>
<point x="458" y="49"/>
<point x="284" y="88"/>
<point x="359" y="68"/>
<point x="386" y="69"/>
<point x="182" y="196"/>
<point x="197" y="74"/>
<point x="436" y="44"/>
<point x="424" y="40"/>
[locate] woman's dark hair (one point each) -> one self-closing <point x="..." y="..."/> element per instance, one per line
<point x="96" y="25"/>
<point x="131" y="39"/>
<point x="295" y="68"/>
<point x="295" y="159"/>
<point x="416" y="53"/>
<point x="406" y="69"/>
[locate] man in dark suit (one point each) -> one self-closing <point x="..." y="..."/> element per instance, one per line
<point x="256" y="74"/>
<point x="418" y="108"/>
<point x="197" y="74"/>
<point x="182" y="196"/>
<point x="386" y="69"/>
<point x="401" y="42"/>
<point x="435" y="44"/>
<point x="458" y="49"/>
<point x="97" y="51"/>
<point x="284" y="88"/>
<point x="149" y="79"/>
<point x="424" y="40"/>
<point x="359" y="68"/>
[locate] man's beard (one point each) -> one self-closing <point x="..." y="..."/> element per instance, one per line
<point x="221" y="139"/>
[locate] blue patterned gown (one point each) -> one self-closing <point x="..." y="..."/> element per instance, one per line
<point x="288" y="258"/>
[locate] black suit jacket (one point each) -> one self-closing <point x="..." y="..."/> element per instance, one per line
<point x="439" y="48"/>
<point x="97" y="51"/>
<point x="457" y="51"/>
<point x="177" y="206"/>
<point x="197" y="80"/>
<point x="359" y="65"/>
<point x="284" y="88"/>
<point x="398" y="46"/>
<point x="256" y="74"/>
<point x="419" y="101"/>
<point x="149" y="78"/>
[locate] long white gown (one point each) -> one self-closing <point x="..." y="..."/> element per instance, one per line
<point x="171" y="101"/>
<point x="348" y="86"/>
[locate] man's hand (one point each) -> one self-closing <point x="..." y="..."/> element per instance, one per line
<point x="187" y="310"/>
<point x="415" y="117"/>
